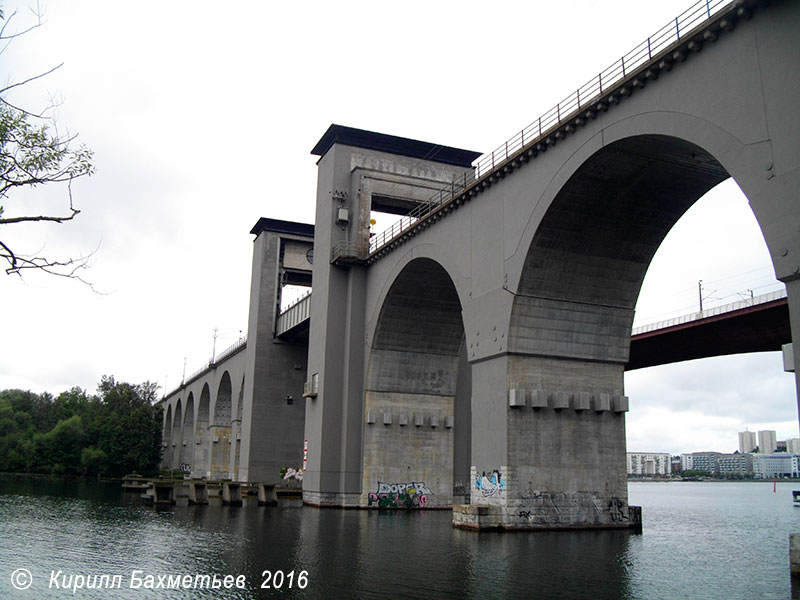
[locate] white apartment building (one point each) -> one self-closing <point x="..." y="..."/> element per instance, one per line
<point x="649" y="463"/>
<point x="767" y="441"/>
<point x="793" y="445"/>
<point x="747" y="441"/>
<point x="780" y="464"/>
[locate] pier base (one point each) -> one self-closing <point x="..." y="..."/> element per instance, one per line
<point x="486" y="517"/>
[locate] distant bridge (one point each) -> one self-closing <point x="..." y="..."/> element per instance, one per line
<point x="759" y="324"/>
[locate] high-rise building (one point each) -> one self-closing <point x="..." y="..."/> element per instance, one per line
<point x="747" y="441"/>
<point x="767" y="441"/>
<point x="793" y="445"/>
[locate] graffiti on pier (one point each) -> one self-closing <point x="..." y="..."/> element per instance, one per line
<point x="400" y="495"/>
<point x="615" y="507"/>
<point x="490" y="484"/>
<point x="185" y="468"/>
<point x="525" y="514"/>
<point x="290" y="473"/>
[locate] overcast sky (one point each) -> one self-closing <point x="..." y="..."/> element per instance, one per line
<point x="202" y="115"/>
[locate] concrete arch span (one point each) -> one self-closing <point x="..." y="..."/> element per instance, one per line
<point x="202" y="457"/>
<point x="177" y="436"/>
<point x="221" y="436"/>
<point x="580" y="280"/>
<point x="414" y="407"/>
<point x="187" y="444"/>
<point x="236" y="433"/>
<point x="570" y="323"/>
<point x="166" y="456"/>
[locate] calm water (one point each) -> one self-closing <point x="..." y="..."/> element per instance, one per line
<point x="700" y="540"/>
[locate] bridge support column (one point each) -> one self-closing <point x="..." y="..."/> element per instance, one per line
<point x="548" y="445"/>
<point x="272" y="409"/>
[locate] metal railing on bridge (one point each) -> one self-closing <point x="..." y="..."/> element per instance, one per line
<point x="565" y="111"/>
<point x="710" y="312"/>
<point x="213" y="362"/>
<point x="294" y="314"/>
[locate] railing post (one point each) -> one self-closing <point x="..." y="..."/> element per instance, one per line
<point x="677" y="28"/>
<point x="623" y="67"/>
<point x="540" y="126"/>
<point x="708" y="8"/>
<point x="578" y="94"/>
<point x="649" y="52"/>
<point x="600" y="81"/>
<point x="522" y="137"/>
<point x="558" y="111"/>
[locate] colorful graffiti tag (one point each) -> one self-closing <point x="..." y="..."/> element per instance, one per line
<point x="400" y="495"/>
<point x="491" y="484"/>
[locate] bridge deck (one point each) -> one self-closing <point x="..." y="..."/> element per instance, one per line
<point x="760" y="324"/>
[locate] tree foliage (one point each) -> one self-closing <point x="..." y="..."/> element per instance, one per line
<point x="34" y="153"/>
<point x="115" y="432"/>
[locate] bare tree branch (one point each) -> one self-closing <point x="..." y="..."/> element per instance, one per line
<point x="29" y="79"/>
<point x="9" y="256"/>
<point x="69" y="268"/>
<point x="33" y="154"/>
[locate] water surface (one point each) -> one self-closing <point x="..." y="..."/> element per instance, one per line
<point x="700" y="540"/>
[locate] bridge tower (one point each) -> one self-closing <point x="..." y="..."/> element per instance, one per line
<point x="348" y="452"/>
<point x="267" y="427"/>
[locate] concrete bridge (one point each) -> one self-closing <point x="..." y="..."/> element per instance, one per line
<point x="473" y="356"/>
<point x="759" y="324"/>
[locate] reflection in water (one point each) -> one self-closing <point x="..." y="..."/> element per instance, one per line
<point x="699" y="541"/>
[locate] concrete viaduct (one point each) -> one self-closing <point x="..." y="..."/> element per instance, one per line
<point x="473" y="356"/>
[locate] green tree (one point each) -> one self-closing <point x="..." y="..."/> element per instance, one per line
<point x="112" y="434"/>
<point x="58" y="451"/>
<point x="129" y="427"/>
<point x="93" y="461"/>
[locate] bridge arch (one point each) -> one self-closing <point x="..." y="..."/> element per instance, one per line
<point x="590" y="251"/>
<point x="236" y="433"/>
<point x="167" y="455"/>
<point x="430" y="251"/>
<point x="177" y="436"/>
<point x="221" y="441"/>
<point x="603" y="217"/>
<point x="202" y="455"/>
<point x="187" y="445"/>
<point x="412" y="399"/>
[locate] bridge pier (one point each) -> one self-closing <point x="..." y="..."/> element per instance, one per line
<point x="548" y="445"/>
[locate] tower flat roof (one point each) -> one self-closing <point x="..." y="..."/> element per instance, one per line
<point x="393" y="144"/>
<point x="280" y="226"/>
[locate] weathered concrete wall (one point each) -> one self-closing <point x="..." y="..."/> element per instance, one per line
<point x="272" y="417"/>
<point x="408" y="440"/>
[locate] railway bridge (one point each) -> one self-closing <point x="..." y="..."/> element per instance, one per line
<point x="473" y="354"/>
